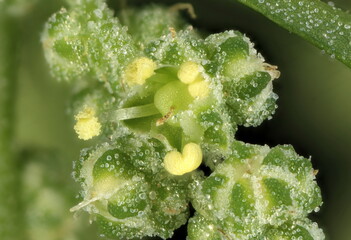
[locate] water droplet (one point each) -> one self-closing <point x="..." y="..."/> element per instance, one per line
<point x="152" y="195"/>
<point x="331" y="3"/>
<point x="142" y="196"/>
<point x="98" y="13"/>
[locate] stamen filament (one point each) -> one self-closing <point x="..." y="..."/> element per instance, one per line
<point x="136" y="112"/>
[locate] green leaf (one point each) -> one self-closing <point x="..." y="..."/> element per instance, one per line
<point x="325" y="26"/>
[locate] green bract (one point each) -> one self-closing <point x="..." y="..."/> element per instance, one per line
<point x="160" y="99"/>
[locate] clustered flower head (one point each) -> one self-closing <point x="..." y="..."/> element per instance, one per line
<point x="159" y="101"/>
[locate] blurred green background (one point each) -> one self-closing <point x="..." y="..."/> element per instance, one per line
<point x="314" y="113"/>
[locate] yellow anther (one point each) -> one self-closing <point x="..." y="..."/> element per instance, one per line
<point x="199" y="89"/>
<point x="189" y="72"/>
<point x="139" y="70"/>
<point x="87" y="125"/>
<point x="178" y="163"/>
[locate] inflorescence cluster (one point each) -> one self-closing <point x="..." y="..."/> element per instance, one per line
<point x="160" y="100"/>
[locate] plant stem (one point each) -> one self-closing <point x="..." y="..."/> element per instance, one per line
<point x="10" y="227"/>
<point x="323" y="25"/>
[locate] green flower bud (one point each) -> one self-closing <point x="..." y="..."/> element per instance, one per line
<point x="257" y="186"/>
<point x="128" y="192"/>
<point x="180" y="105"/>
<point x="246" y="79"/>
<point x="87" y="41"/>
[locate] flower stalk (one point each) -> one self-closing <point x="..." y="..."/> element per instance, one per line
<point x="10" y="219"/>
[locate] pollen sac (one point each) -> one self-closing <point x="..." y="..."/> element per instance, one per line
<point x="138" y="71"/>
<point x="254" y="188"/>
<point x="100" y="101"/>
<point x="180" y="163"/>
<point x="128" y="192"/>
<point x="189" y="72"/>
<point x="246" y="78"/>
<point x="87" y="125"/>
<point x="87" y="42"/>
